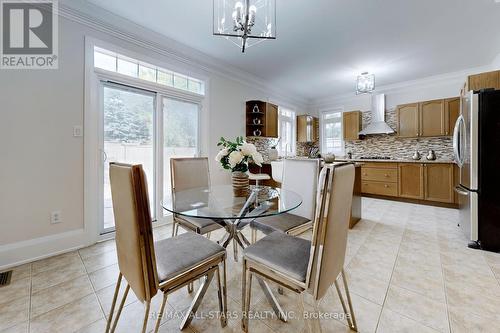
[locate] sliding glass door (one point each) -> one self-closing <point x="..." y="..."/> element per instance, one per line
<point x="148" y="128"/>
<point x="180" y="135"/>
<point x="128" y="137"/>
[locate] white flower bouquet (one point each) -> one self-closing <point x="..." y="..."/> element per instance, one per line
<point x="235" y="156"/>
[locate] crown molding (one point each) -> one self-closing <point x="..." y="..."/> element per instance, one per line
<point x="427" y="82"/>
<point x="111" y="24"/>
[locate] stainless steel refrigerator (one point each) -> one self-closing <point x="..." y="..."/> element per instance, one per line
<point x="476" y="144"/>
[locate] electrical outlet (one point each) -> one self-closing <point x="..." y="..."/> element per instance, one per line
<point x="77" y="131"/>
<point x="55" y="217"/>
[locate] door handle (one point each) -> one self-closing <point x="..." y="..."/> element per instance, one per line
<point x="461" y="191"/>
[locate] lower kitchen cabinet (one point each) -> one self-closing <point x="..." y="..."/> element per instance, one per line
<point x="438" y="182"/>
<point x="411" y="184"/>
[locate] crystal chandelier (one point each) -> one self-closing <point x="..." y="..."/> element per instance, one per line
<point x="365" y="83"/>
<point x="245" y="22"/>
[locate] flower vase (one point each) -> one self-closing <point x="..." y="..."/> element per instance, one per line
<point x="241" y="184"/>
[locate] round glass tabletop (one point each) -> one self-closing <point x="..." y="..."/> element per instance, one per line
<point x="219" y="202"/>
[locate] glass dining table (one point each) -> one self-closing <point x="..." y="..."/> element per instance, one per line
<point x="234" y="213"/>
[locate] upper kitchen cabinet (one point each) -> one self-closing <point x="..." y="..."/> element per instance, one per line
<point x="451" y="112"/>
<point x="432" y="118"/>
<point x="428" y="118"/>
<point x="484" y="80"/>
<point x="408" y="120"/>
<point x="351" y="124"/>
<point x="307" y="128"/>
<point x="261" y="119"/>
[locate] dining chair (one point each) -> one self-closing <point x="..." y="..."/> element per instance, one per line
<point x="302" y="265"/>
<point x="165" y="265"/>
<point x="188" y="173"/>
<point x="300" y="176"/>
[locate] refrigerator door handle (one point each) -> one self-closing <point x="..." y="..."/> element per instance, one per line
<point x="460" y="190"/>
<point x="457" y="145"/>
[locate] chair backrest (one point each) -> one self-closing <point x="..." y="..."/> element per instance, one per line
<point x="331" y="227"/>
<point x="190" y="172"/>
<point x="134" y="234"/>
<point x="301" y="176"/>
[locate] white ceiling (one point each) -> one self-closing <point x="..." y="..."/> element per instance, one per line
<point x="323" y="44"/>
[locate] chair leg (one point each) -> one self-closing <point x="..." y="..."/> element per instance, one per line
<point x="174" y="226"/>
<point x="224" y="287"/>
<point x="222" y="306"/>
<point x="146" y="315"/>
<point x="351" y="310"/>
<point x="160" y="314"/>
<point x="254" y="235"/>
<point x="190" y="287"/>
<point x="235" y="250"/>
<point x="208" y="235"/>
<point x="115" y="296"/>
<point x="120" y="308"/>
<point x="247" y="291"/>
<point x="349" y="314"/>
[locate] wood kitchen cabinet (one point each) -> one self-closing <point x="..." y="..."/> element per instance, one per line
<point x="411" y="183"/>
<point x="438" y="182"/>
<point x="408" y="120"/>
<point x="307" y="128"/>
<point x="261" y="119"/>
<point x="432" y="118"/>
<point x="351" y="124"/>
<point x="484" y="80"/>
<point x="428" y="118"/>
<point x="452" y="111"/>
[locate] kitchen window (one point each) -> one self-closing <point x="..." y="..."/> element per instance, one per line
<point x="331" y="132"/>
<point x="287" y="132"/>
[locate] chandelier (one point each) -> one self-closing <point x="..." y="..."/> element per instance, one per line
<point x="365" y="83"/>
<point x="245" y="22"/>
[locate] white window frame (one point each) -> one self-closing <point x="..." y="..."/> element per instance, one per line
<point x="323" y="122"/>
<point x="93" y="133"/>
<point x="292" y="119"/>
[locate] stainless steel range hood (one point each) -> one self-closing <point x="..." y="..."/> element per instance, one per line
<point x="377" y="124"/>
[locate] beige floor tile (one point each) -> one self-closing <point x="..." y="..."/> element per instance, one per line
<point x="366" y="313"/>
<point x="75" y="316"/>
<point x="104" y="277"/>
<point x="97" y="262"/>
<point x="366" y="286"/>
<point x="420" y="308"/>
<point x="57" y="275"/>
<point x="371" y="266"/>
<point x="392" y="322"/>
<point x="19" y="288"/>
<point x="52" y="263"/>
<point x="105" y="297"/>
<point x="59" y="295"/>
<point x="20" y="272"/>
<point x="99" y="248"/>
<point x="19" y="328"/>
<point x="96" y="327"/>
<point x="470" y="301"/>
<point x="425" y="282"/>
<point x="465" y="322"/>
<point x="14" y="313"/>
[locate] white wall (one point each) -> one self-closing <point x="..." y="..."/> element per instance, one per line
<point x="42" y="164"/>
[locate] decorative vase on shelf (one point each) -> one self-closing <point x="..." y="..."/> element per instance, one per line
<point x="241" y="183"/>
<point x="272" y="154"/>
<point x="255" y="108"/>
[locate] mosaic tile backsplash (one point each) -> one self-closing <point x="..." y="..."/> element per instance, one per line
<point x="398" y="148"/>
<point x="263" y="144"/>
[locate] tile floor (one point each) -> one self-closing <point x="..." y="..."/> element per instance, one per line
<point x="407" y="265"/>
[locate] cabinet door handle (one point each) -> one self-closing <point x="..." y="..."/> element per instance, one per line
<point x="386" y="186"/>
<point x="386" y="175"/>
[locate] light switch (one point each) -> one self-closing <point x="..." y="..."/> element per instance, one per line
<point x="77" y="131"/>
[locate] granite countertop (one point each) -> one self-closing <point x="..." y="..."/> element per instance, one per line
<point x="398" y="161"/>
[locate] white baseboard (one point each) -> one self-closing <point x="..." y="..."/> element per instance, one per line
<point x="39" y="248"/>
<point x="23" y="252"/>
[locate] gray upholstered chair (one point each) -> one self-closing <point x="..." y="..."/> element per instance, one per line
<point x="302" y="265"/>
<point x="300" y="176"/>
<point x="187" y="173"/>
<point x="166" y="265"/>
